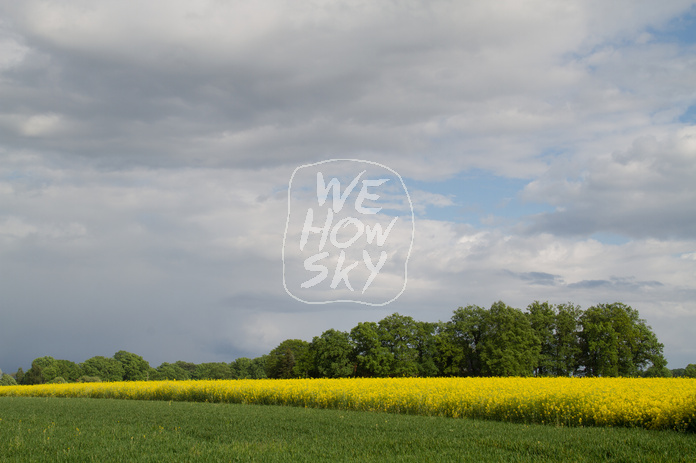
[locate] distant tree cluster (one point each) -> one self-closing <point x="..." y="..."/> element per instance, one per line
<point x="544" y="340"/>
<point x="126" y="366"/>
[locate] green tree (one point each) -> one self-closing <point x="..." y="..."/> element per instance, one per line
<point x="647" y="350"/>
<point x="212" y="370"/>
<point x="615" y="341"/>
<point x="657" y="372"/>
<point x="258" y="367"/>
<point x="690" y="371"/>
<point x="542" y="319"/>
<point x="170" y="371"/>
<point x="104" y="368"/>
<point x="600" y="343"/>
<point x="43" y="370"/>
<point x="371" y="357"/>
<point x="282" y="360"/>
<point x="332" y="354"/>
<point x="399" y="334"/>
<point x="188" y="366"/>
<point x="305" y="364"/>
<point x="7" y="380"/>
<point x="135" y="368"/>
<point x="19" y="376"/>
<point x="241" y="368"/>
<point x="466" y="332"/>
<point x="510" y="346"/>
<point x="449" y="356"/>
<point x="426" y="348"/>
<point x="68" y="370"/>
<point x="285" y="364"/>
<point x="566" y="339"/>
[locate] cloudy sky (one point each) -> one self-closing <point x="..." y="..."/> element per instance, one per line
<point x="146" y="149"/>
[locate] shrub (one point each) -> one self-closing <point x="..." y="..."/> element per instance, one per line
<point x="7" y="380"/>
<point x="89" y="379"/>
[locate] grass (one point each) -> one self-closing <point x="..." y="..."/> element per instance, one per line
<point x="105" y="430"/>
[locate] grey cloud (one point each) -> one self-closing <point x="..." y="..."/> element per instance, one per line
<point x="624" y="284"/>
<point x="145" y="152"/>
<point x="645" y="191"/>
<point x="262" y="84"/>
<point x="537" y="278"/>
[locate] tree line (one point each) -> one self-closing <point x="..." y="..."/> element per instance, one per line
<point x="543" y="340"/>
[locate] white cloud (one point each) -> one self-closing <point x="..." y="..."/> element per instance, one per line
<point x="13" y="227"/>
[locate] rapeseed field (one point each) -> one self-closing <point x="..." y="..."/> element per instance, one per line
<point x="651" y="403"/>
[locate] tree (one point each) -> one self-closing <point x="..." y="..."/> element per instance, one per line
<point x="304" y="366"/>
<point x="170" y="371"/>
<point x="399" y="335"/>
<point x="241" y="368"/>
<point x="647" y="350"/>
<point x="19" y="376"/>
<point x="7" y="380"/>
<point x="212" y="370"/>
<point x="615" y="341"/>
<point x="282" y="360"/>
<point x="332" y="354"/>
<point x="104" y="368"/>
<point x="466" y="331"/>
<point x="189" y="367"/>
<point x="285" y="364"/>
<point x="599" y="341"/>
<point x="426" y="348"/>
<point x="690" y="371"/>
<point x="566" y="340"/>
<point x="657" y="372"/>
<point x="68" y="370"/>
<point x="135" y="368"/>
<point x="371" y="357"/>
<point x="542" y="319"/>
<point x="510" y="347"/>
<point x="449" y="356"/>
<point x="43" y="369"/>
<point x="258" y="367"/>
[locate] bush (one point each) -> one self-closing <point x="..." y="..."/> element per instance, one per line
<point x="57" y="380"/>
<point x="7" y="380"/>
<point x="690" y="370"/>
<point x="89" y="379"/>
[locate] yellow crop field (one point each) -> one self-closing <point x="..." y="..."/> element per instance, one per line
<point x="658" y="403"/>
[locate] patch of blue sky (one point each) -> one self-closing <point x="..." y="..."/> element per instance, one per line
<point x="681" y="29"/>
<point x="689" y="116"/>
<point x="26" y="179"/>
<point x="610" y="238"/>
<point x="478" y="197"/>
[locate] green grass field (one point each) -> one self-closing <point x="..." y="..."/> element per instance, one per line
<point x="101" y="430"/>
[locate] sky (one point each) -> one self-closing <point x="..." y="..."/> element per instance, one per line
<point x="547" y="150"/>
